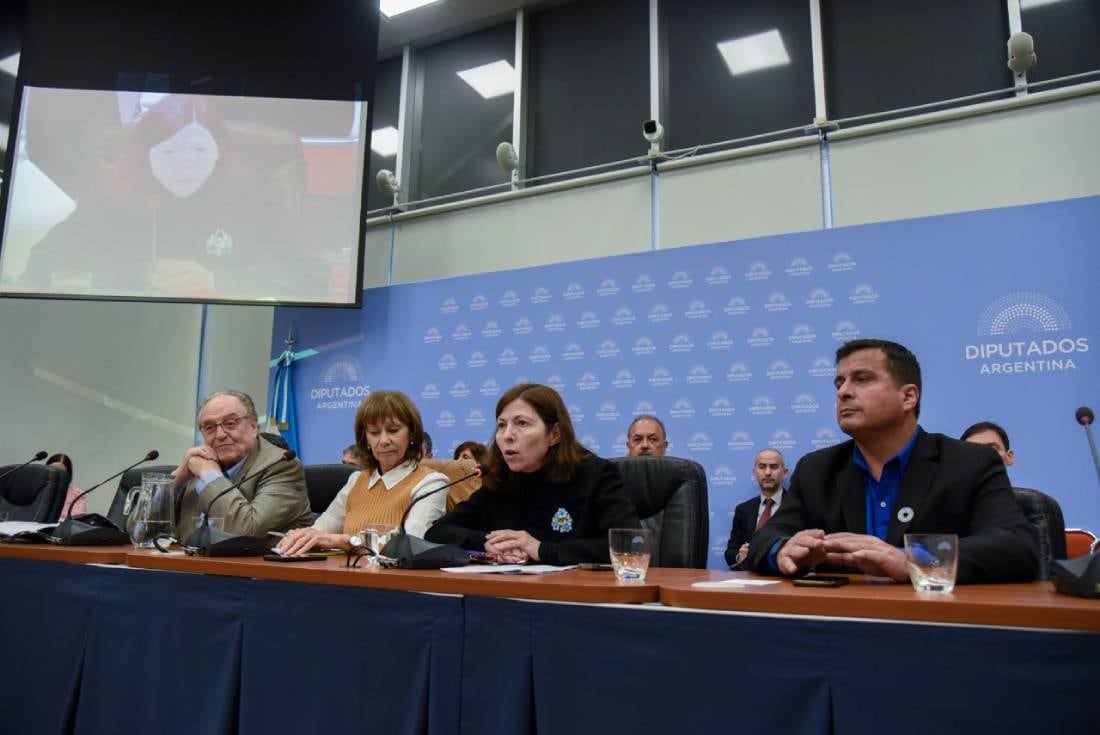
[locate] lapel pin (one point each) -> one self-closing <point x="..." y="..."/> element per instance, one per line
<point x="905" y="514"/>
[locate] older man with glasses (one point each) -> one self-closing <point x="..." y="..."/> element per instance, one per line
<point x="273" y="495"/>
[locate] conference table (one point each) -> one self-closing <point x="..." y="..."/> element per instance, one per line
<point x="105" y="639"/>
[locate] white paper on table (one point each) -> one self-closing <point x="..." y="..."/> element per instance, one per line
<point x="508" y="569"/>
<point x="732" y="584"/>
<point x="10" y="528"/>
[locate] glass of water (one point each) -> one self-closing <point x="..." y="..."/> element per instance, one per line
<point x="933" y="559"/>
<point x="630" y="549"/>
<point x="377" y="535"/>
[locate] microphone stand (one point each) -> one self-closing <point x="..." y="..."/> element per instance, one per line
<point x="209" y="541"/>
<point x="92" y="528"/>
<point x="36" y="458"/>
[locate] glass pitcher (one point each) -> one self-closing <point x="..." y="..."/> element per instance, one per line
<point x="150" y="509"/>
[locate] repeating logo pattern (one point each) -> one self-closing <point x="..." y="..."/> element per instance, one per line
<point x="731" y="345"/>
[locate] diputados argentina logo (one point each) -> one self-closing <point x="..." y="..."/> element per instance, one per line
<point x="342" y="385"/>
<point x="1026" y="332"/>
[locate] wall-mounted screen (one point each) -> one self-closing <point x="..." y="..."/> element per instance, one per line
<point x="187" y="196"/>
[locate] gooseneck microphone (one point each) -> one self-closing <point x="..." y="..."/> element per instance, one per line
<point x="36" y="458"/>
<point x="480" y="471"/>
<point x="416" y="553"/>
<point x="202" y="536"/>
<point x="1085" y="417"/>
<point x="66" y="530"/>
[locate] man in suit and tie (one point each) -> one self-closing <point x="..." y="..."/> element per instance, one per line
<point x="849" y="505"/>
<point x="770" y="470"/>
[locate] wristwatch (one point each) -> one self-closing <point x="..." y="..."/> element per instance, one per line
<point x="356" y="541"/>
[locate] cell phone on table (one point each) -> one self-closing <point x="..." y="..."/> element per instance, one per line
<point x="595" y="566"/>
<point x="295" y="557"/>
<point x="820" y="580"/>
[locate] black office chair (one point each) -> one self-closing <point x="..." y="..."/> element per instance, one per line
<point x="276" y="439"/>
<point x="33" y="493"/>
<point x="324" y="482"/>
<point x="670" y="495"/>
<point x="131" y="478"/>
<point x="1045" y="514"/>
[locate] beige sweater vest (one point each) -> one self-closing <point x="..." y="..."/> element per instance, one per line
<point x="370" y="505"/>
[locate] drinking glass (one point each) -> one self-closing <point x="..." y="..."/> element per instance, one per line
<point x="375" y="536"/>
<point x="933" y="559"/>
<point x="630" y="549"/>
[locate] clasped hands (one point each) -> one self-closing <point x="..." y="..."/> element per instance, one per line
<point x="197" y="462"/>
<point x="512" y="547"/>
<point x="869" y="554"/>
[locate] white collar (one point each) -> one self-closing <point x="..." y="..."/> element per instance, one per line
<point x="777" y="497"/>
<point x="394" y="476"/>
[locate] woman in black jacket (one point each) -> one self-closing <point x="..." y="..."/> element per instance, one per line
<point x="546" y="498"/>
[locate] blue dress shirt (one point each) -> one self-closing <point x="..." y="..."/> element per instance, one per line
<point x="880" y="494"/>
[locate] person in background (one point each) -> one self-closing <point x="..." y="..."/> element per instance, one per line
<point x="849" y="505"/>
<point x="471" y="451"/>
<point x="546" y="498"/>
<point x="646" y="435"/>
<point x="991" y="435"/>
<point x="769" y="470"/>
<point x="390" y="437"/>
<point x="426" y="449"/>
<point x="351" y="456"/>
<point x="63" y="462"/>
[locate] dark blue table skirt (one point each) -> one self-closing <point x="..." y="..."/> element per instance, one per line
<point x="589" y="669"/>
<point x="93" y="650"/>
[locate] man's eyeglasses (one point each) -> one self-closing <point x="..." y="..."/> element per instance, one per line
<point x="230" y="424"/>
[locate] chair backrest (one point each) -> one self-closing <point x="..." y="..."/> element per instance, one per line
<point x="324" y="482"/>
<point x="670" y="495"/>
<point x="33" y="493"/>
<point x="1045" y="514"/>
<point x="131" y="478"/>
<point x="456" y="469"/>
<point x="276" y="439"/>
<point x="1079" y="542"/>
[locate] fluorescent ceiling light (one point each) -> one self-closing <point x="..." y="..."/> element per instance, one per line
<point x="755" y="52"/>
<point x="391" y="8"/>
<point x="1029" y="4"/>
<point x="491" y="80"/>
<point x="384" y="141"/>
<point x="10" y="65"/>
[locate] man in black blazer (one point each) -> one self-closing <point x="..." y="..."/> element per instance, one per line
<point x="769" y="470"/>
<point x="849" y="505"/>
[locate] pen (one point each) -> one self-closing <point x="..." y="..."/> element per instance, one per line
<point x="276" y="534"/>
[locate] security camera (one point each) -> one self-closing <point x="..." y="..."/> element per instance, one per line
<point x="387" y="182"/>
<point x="653" y="131"/>
<point x="1021" y="52"/>
<point x="507" y="156"/>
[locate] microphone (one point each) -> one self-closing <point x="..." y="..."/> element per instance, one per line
<point x="93" y="528"/>
<point x="416" y="553"/>
<point x="36" y="458"/>
<point x="1085" y="417"/>
<point x="212" y="542"/>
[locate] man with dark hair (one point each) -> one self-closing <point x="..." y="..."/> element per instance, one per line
<point x="426" y="449"/>
<point x="646" y="435"/>
<point x="273" y="496"/>
<point x="991" y="435"/>
<point x="849" y="505"/>
<point x="351" y="456"/>
<point x="769" y="470"/>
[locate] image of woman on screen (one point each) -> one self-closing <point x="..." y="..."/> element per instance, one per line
<point x="389" y="434"/>
<point x="546" y="498"/>
<point x="187" y="205"/>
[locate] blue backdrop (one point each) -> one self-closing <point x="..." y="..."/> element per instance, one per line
<point x="732" y="344"/>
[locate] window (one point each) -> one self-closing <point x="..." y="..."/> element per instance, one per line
<point x="385" y="137"/>
<point x="465" y="98"/>
<point x="588" y="84"/>
<point x="887" y="54"/>
<point x="1067" y="36"/>
<point x="736" y="69"/>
